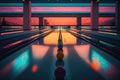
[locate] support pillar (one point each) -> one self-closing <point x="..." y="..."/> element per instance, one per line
<point x="27" y="15"/>
<point x="0" y="25"/>
<point x="79" y="23"/>
<point x="40" y="23"/>
<point x="94" y="15"/>
<point x="117" y="15"/>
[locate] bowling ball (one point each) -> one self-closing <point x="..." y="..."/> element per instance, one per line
<point x="59" y="40"/>
<point x="59" y="63"/>
<point x="57" y="78"/>
<point x="60" y="50"/>
<point x="60" y="72"/>
<point x="60" y="46"/>
<point x="60" y="55"/>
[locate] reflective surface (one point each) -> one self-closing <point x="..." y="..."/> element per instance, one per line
<point x="38" y="61"/>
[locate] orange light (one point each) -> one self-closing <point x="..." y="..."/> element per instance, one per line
<point x="34" y="68"/>
<point x="96" y="64"/>
<point x="93" y="66"/>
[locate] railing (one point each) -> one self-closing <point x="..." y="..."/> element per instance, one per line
<point x="112" y="29"/>
<point x="4" y="29"/>
<point x="107" y="29"/>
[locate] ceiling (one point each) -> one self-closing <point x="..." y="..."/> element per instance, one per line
<point x="56" y="1"/>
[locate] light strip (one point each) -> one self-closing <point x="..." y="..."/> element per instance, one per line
<point x="56" y="4"/>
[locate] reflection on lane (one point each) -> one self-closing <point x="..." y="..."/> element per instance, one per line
<point x="34" y="68"/>
<point x="39" y="51"/>
<point x="97" y="62"/>
<point x="16" y="66"/>
<point x="38" y="61"/>
<point x="21" y="62"/>
<point x="29" y="59"/>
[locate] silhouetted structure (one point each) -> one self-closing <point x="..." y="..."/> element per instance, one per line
<point x="3" y="23"/>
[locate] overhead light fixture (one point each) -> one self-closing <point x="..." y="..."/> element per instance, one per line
<point x="97" y="0"/>
<point x="25" y="0"/>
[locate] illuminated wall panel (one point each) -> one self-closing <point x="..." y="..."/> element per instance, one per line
<point x="52" y="39"/>
<point x="79" y="9"/>
<point x="60" y="21"/>
<point x="102" y="21"/>
<point x="19" y="20"/>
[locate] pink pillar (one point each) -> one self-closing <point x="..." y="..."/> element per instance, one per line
<point x="0" y="19"/>
<point x="79" y="22"/>
<point x="0" y="25"/>
<point x="40" y="22"/>
<point x="27" y="15"/>
<point x="94" y="15"/>
<point x="117" y="15"/>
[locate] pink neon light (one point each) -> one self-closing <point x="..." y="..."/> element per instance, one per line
<point x="56" y="9"/>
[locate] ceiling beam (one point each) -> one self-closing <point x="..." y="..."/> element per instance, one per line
<point x="56" y="15"/>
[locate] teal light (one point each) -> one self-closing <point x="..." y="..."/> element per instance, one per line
<point x="11" y="4"/>
<point x="105" y="65"/>
<point x="21" y="61"/>
<point x="107" y="4"/>
<point x="57" y="4"/>
<point x="61" y="4"/>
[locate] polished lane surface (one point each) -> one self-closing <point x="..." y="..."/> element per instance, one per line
<point x="38" y="61"/>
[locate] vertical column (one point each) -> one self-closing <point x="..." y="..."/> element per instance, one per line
<point x="79" y="23"/>
<point x="0" y="19"/>
<point x="27" y="15"/>
<point x="0" y="25"/>
<point x="94" y="14"/>
<point x="40" y="22"/>
<point x="117" y="15"/>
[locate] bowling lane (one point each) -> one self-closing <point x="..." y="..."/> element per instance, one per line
<point x="33" y="62"/>
<point x="86" y="62"/>
<point x="38" y="61"/>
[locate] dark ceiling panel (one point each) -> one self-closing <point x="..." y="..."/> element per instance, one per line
<point x="56" y="1"/>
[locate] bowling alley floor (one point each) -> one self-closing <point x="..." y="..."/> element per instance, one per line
<point x="81" y="61"/>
